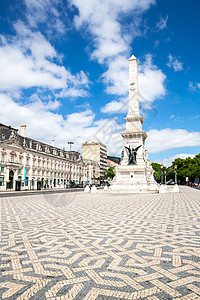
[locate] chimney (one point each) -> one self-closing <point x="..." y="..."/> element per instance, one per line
<point x="23" y="130"/>
<point x="53" y="143"/>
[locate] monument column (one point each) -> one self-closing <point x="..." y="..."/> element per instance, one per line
<point x="134" y="173"/>
<point x="133" y="119"/>
<point x="133" y="87"/>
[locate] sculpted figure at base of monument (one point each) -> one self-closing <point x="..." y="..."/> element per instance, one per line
<point x="132" y="153"/>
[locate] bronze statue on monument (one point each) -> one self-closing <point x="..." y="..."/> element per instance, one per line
<point x="132" y="153"/>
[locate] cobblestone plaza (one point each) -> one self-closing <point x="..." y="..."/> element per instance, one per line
<point x="102" y="246"/>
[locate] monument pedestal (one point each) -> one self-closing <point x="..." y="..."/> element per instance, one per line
<point x="175" y="189"/>
<point x="134" y="179"/>
<point x="163" y="189"/>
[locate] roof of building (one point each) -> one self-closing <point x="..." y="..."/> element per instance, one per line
<point x="8" y="134"/>
<point x="94" y="143"/>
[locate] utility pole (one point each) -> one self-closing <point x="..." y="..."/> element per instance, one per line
<point x="161" y="173"/>
<point x="70" y="145"/>
<point x="70" y="148"/>
<point x="175" y="170"/>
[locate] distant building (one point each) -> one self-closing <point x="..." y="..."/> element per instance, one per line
<point x="113" y="161"/>
<point x="27" y="163"/>
<point x="93" y="171"/>
<point x="96" y="152"/>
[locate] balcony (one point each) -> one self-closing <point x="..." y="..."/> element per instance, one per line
<point x="12" y="164"/>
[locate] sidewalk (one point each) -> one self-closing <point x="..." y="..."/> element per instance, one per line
<point x="101" y="246"/>
<point x="53" y="190"/>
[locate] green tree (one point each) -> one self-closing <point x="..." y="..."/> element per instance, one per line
<point x="170" y="174"/>
<point x="157" y="171"/>
<point x="188" y="167"/>
<point x="109" y="173"/>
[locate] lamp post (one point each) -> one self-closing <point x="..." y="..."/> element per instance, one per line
<point x="70" y="148"/>
<point x="175" y="170"/>
<point x="70" y="145"/>
<point x="87" y="164"/>
<point x="161" y="173"/>
<point x="165" y="175"/>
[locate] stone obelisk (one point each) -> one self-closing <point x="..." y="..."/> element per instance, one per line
<point x="134" y="173"/>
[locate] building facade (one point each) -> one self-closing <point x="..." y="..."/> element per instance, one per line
<point x="96" y="152"/>
<point x="93" y="172"/>
<point x="29" y="164"/>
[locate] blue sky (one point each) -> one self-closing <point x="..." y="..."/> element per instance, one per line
<point x="64" y="71"/>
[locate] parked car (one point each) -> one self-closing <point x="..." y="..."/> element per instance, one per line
<point x="170" y="182"/>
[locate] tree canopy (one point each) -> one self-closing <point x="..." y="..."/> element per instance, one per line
<point x="109" y="173"/>
<point x="188" y="167"/>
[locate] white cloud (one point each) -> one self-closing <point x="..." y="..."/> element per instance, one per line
<point x="45" y="12"/>
<point x="72" y="92"/>
<point x="111" y="40"/>
<point x="151" y="81"/>
<point x="174" y="63"/>
<point x="162" y="24"/>
<point x="165" y="139"/>
<point x="195" y="117"/>
<point x="29" y="60"/>
<point x="156" y="43"/>
<point x="176" y="119"/>
<point x="168" y="161"/>
<point x="193" y="86"/>
<point x="116" y="77"/>
<point x="44" y="124"/>
<point x="115" y="106"/>
<point x="21" y="71"/>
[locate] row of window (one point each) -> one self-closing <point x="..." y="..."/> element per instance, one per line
<point x="40" y="163"/>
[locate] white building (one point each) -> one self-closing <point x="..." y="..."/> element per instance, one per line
<point x="96" y="152"/>
<point x="29" y="164"/>
<point x="93" y="172"/>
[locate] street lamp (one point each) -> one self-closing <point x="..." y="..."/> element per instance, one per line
<point x="175" y="170"/>
<point x="161" y="173"/>
<point x="70" y="148"/>
<point x="87" y="170"/>
<point x="70" y="145"/>
<point x="165" y="175"/>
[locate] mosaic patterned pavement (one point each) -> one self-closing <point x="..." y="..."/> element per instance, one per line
<point x="104" y="246"/>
